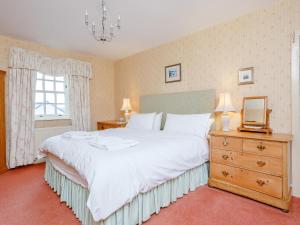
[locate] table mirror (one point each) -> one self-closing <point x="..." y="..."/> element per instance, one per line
<point x="255" y="114"/>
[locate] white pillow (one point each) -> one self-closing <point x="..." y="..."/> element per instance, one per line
<point x="209" y="125"/>
<point x="195" y="124"/>
<point x="157" y="121"/>
<point x="141" y="121"/>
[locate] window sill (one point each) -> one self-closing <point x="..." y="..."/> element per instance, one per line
<point x="52" y="118"/>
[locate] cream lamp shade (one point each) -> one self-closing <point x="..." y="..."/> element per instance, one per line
<point x="126" y="105"/>
<point x="225" y="106"/>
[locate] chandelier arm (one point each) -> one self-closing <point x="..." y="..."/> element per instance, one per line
<point x="103" y="18"/>
<point x="109" y="39"/>
<point x="103" y="28"/>
<point x="97" y="38"/>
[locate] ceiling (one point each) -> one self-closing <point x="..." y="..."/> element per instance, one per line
<point x="145" y="24"/>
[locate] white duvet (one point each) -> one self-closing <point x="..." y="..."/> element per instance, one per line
<point x="115" y="177"/>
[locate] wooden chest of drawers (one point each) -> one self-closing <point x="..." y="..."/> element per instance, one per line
<point x="2" y="124"/>
<point x="103" y="125"/>
<point x="253" y="165"/>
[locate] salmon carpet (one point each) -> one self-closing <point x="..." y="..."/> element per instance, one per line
<point x="25" y="198"/>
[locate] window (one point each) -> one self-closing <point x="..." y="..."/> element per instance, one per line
<point x="51" y="97"/>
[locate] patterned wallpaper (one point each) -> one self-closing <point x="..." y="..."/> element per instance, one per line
<point x="101" y="86"/>
<point x="211" y="58"/>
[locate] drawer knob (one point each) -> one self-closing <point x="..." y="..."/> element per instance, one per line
<point x="225" y="143"/>
<point x="225" y="157"/>
<point x="261" y="147"/>
<point x="225" y="173"/>
<point x="260" y="182"/>
<point x="260" y="163"/>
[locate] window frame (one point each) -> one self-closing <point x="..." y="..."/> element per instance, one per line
<point x="65" y="92"/>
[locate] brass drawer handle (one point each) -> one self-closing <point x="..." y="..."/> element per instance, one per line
<point x="225" y="173"/>
<point x="225" y="143"/>
<point x="225" y="157"/>
<point x="260" y="182"/>
<point x="260" y="163"/>
<point x="261" y="147"/>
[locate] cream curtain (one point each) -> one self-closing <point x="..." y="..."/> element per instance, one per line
<point x="20" y="130"/>
<point x="80" y="103"/>
<point x="295" y="92"/>
<point x="23" y="65"/>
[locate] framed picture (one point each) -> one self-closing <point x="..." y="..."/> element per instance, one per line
<point x="173" y="73"/>
<point x="246" y="76"/>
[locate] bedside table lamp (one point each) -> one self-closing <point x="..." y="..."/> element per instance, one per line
<point x="126" y="107"/>
<point x="225" y="106"/>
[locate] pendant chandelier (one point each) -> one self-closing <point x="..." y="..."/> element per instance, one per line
<point x="103" y="34"/>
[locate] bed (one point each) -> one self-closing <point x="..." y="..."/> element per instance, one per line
<point x="127" y="187"/>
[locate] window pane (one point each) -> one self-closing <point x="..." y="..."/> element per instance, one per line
<point x="39" y="97"/>
<point x="39" y="85"/>
<point x="50" y="98"/>
<point x="49" y="77"/>
<point x="60" y="98"/>
<point x="59" y="78"/>
<point x="39" y="109"/>
<point x="60" y="86"/>
<point x="50" y="109"/>
<point x="61" y="109"/>
<point x="39" y="75"/>
<point x="49" y="85"/>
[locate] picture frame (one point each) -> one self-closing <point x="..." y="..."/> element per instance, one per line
<point x="173" y="73"/>
<point x="246" y="76"/>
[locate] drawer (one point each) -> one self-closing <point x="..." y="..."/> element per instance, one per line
<point x="104" y="126"/>
<point x="229" y="143"/>
<point x="248" y="161"/>
<point x="267" y="184"/>
<point x="268" y="148"/>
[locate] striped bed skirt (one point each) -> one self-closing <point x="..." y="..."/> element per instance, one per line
<point x="139" y="209"/>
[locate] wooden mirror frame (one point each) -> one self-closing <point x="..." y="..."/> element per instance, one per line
<point x="254" y="126"/>
<point x="259" y="124"/>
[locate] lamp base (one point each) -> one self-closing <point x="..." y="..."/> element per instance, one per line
<point x="127" y="115"/>
<point x="225" y="122"/>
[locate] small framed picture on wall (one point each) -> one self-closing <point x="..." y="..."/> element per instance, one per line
<point x="246" y="76"/>
<point x="173" y="73"/>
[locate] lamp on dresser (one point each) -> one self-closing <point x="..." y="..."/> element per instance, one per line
<point x="126" y="107"/>
<point x="225" y="106"/>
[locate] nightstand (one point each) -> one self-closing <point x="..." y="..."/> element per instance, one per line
<point x="102" y="125"/>
<point x="253" y="165"/>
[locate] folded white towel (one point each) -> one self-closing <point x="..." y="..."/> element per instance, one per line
<point x="111" y="143"/>
<point x="79" y="134"/>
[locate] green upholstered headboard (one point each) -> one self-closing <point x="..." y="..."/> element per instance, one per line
<point x="192" y="102"/>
